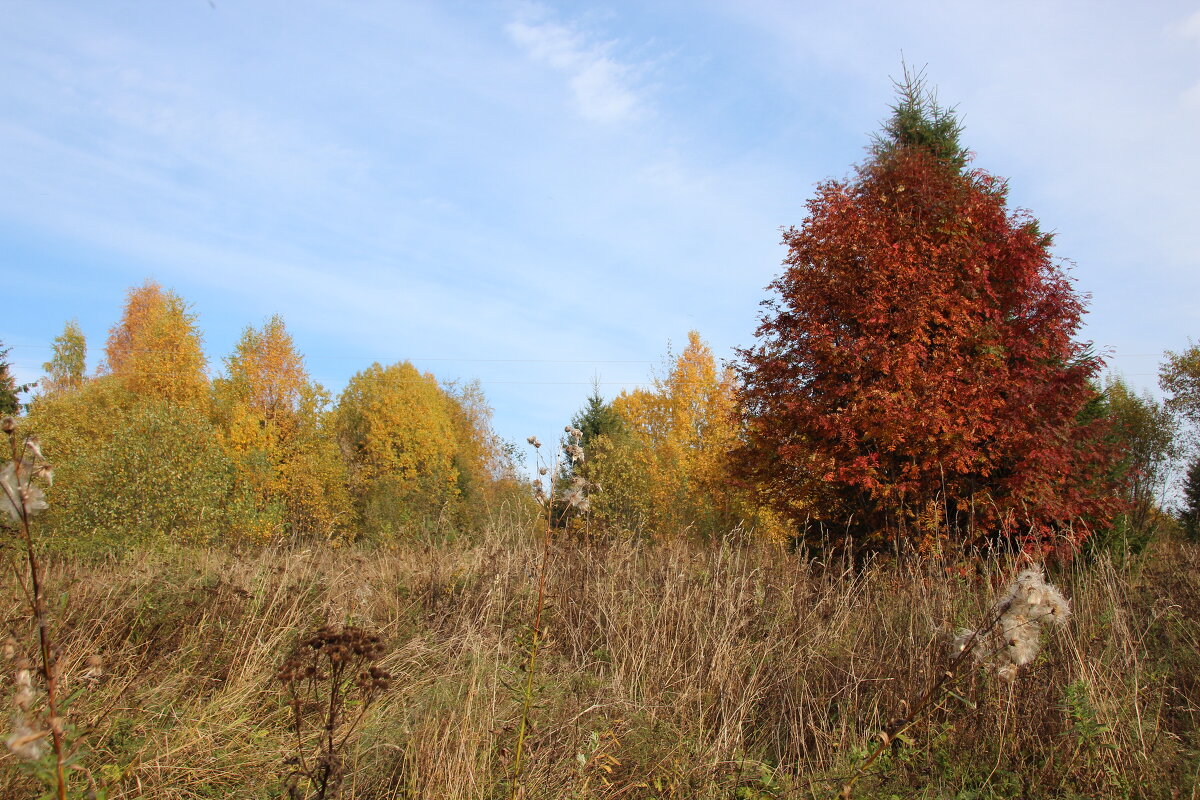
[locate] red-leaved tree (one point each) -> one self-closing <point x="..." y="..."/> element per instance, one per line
<point x="917" y="373"/>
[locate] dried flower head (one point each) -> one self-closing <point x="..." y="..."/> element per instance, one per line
<point x="1014" y="639"/>
<point x="45" y="472"/>
<point x="534" y="442"/>
<point x="576" y="498"/>
<point x="16" y="491"/>
<point x="9" y="425"/>
<point x="26" y="743"/>
<point x="95" y="668"/>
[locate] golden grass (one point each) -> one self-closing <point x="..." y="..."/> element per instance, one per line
<point x="670" y="671"/>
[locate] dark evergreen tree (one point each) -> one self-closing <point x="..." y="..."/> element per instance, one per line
<point x="9" y="390"/>
<point x="597" y="418"/>
<point x="1190" y="513"/>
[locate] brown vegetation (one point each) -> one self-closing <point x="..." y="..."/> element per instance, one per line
<point x="729" y="670"/>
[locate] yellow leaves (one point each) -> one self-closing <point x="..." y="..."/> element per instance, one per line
<point x="258" y="454"/>
<point x="273" y="428"/>
<point x="395" y="424"/>
<point x="67" y="364"/>
<point x="677" y="451"/>
<point x="265" y="372"/>
<point x="155" y="350"/>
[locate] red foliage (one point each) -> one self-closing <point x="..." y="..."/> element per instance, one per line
<point x="920" y="358"/>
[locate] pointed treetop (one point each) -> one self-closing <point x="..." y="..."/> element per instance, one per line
<point x="919" y="121"/>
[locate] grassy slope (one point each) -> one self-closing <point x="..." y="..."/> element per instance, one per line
<point x="669" y="672"/>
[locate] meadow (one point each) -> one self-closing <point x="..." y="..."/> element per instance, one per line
<point x="728" y="669"/>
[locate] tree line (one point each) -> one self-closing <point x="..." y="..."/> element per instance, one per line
<point x="149" y="446"/>
<point x="916" y="378"/>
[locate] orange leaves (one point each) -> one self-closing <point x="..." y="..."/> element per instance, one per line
<point x="155" y="350"/>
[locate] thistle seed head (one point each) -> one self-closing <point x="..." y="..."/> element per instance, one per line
<point x="26" y="743"/>
<point x="1015" y="640"/>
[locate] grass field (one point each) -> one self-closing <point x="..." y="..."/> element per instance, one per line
<point x="728" y="670"/>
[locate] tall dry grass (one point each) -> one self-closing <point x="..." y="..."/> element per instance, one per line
<point x="668" y="671"/>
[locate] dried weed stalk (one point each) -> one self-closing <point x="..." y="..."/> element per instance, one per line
<point x="1010" y="639"/>
<point x="331" y="679"/>
<point x="22" y="498"/>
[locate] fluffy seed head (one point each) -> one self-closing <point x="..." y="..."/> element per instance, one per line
<point x="26" y="743"/>
<point x="1014" y="640"/>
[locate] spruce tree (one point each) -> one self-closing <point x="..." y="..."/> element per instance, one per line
<point x="1190" y="513"/>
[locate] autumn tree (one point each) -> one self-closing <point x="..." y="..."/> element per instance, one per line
<point x="664" y="467"/>
<point x="136" y="452"/>
<point x="396" y="426"/>
<point x="134" y="468"/>
<point x="276" y="427"/>
<point x="916" y="372"/>
<point x="484" y="470"/>
<point x="156" y="350"/>
<point x="1179" y="377"/>
<point x="68" y="360"/>
<point x="1144" y="433"/>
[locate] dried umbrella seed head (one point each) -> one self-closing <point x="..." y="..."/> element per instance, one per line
<point x="45" y="472"/>
<point x="575" y="498"/>
<point x="95" y="668"/>
<point x="9" y="425"/>
<point x="534" y="442"/>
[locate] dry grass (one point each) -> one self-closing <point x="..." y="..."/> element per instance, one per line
<point x="674" y="671"/>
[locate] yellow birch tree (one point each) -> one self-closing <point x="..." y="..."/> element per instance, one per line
<point x="275" y="427"/>
<point x="156" y="349"/>
<point x="396" y="427"/>
<point x="675" y="452"/>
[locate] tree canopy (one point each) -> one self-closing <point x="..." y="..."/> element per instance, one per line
<point x="156" y="349"/>
<point x="916" y="372"/>
<point x="68" y="360"/>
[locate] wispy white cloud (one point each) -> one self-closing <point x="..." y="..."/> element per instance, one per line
<point x="604" y="89"/>
<point x="1190" y="27"/>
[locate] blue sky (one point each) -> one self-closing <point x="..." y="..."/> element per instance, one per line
<point x="537" y="195"/>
